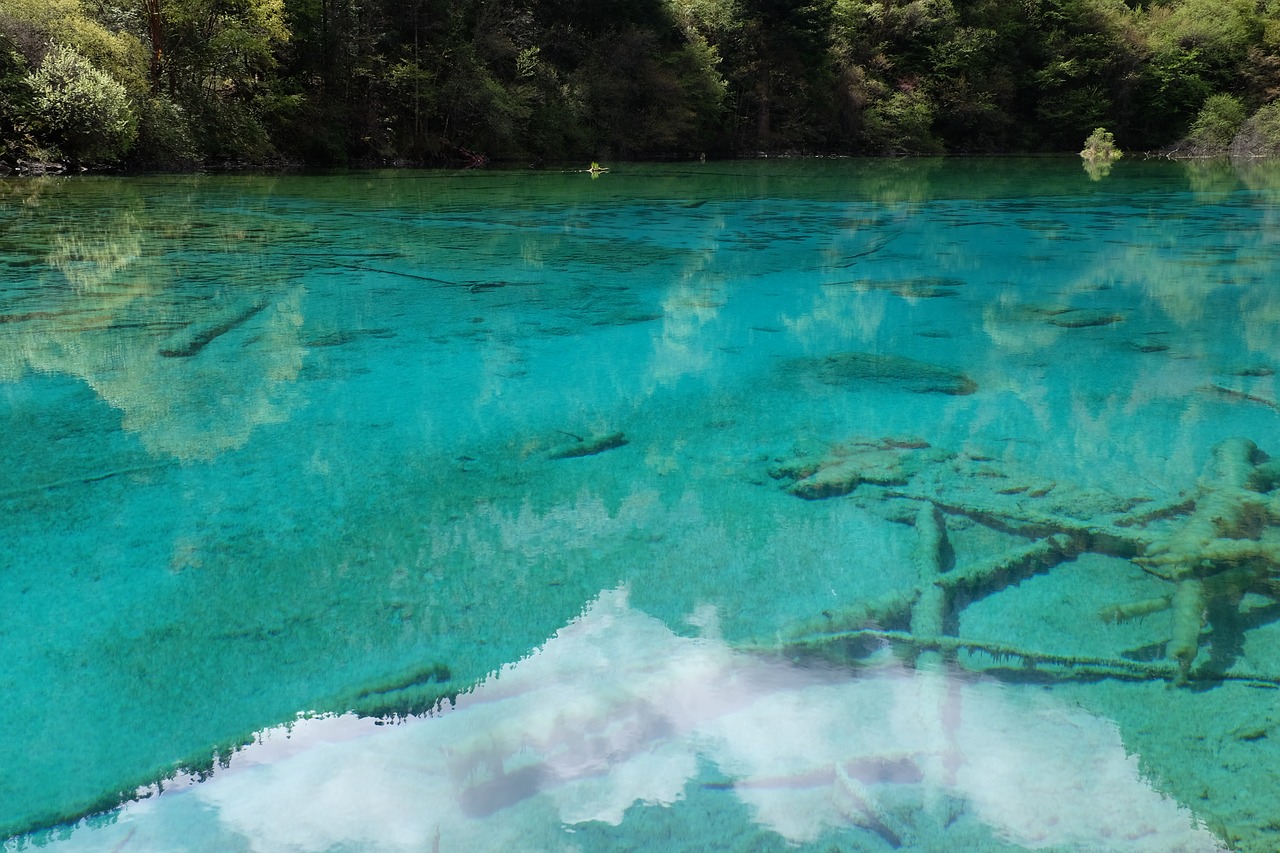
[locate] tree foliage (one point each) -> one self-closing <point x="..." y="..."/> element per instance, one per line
<point x="16" y="104"/>
<point x="1260" y="135"/>
<point x="173" y="83"/>
<point x="1217" y="123"/>
<point x="84" y="112"/>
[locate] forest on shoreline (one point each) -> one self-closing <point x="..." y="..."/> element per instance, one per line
<point x="185" y="84"/>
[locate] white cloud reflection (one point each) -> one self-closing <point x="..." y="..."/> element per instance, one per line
<point x="616" y="710"/>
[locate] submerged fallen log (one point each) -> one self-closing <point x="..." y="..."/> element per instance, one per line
<point x="1232" y="523"/>
<point x="194" y="337"/>
<point x="588" y="446"/>
<point x="851" y="369"/>
<point x="1102" y="537"/>
<point x="82" y="480"/>
<point x="933" y="593"/>
<point x="1212" y="545"/>
<point x="421" y="691"/>
<point x="1085" y="665"/>
<point x="986" y="576"/>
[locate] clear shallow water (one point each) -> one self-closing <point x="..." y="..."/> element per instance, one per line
<point x="341" y="446"/>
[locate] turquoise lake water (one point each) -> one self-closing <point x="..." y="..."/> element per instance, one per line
<point x="777" y="505"/>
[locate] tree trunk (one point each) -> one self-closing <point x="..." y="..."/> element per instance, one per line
<point x="155" y="32"/>
<point x="763" y="130"/>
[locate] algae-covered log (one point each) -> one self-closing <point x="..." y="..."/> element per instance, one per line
<point x="986" y="576"/>
<point x="417" y="692"/>
<point x="1088" y="666"/>
<point x="1222" y="510"/>
<point x="588" y="446"/>
<point x="925" y="603"/>
<point x="1102" y="537"/>
<point x="839" y="469"/>
<point x="930" y="609"/>
<point x="1188" y="606"/>
<point x="907" y="374"/>
<point x="843" y="476"/>
<point x="890" y="609"/>
<point x="1213" y="545"/>
<point x="1135" y="609"/>
<point x="192" y="338"/>
<point x="1230" y="525"/>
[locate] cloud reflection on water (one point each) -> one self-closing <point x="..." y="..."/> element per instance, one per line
<point x="616" y="710"/>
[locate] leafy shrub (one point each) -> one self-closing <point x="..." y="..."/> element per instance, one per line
<point x="83" y="111"/>
<point x="1260" y="135"/>
<point x="164" y="135"/>
<point x="228" y="130"/>
<point x="902" y="124"/>
<point x="1100" y="147"/>
<point x="1218" y="122"/>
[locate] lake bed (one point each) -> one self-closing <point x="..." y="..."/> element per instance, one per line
<point x="860" y="504"/>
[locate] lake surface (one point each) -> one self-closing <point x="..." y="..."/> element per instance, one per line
<point x="837" y="505"/>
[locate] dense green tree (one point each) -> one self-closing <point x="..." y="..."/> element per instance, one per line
<point x="1193" y="49"/>
<point x="460" y="81"/>
<point x="1216" y="125"/>
<point x="33" y="26"/>
<point x="1080" y="58"/>
<point x="16" y="104"/>
<point x="886" y="94"/>
<point x="85" y="112"/>
<point x="1260" y="134"/>
<point x="210" y="58"/>
<point x="78" y="97"/>
<point x="781" y="74"/>
<point x="972" y="89"/>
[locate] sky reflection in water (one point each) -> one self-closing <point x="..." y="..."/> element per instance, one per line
<point x="615" y="710"/>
